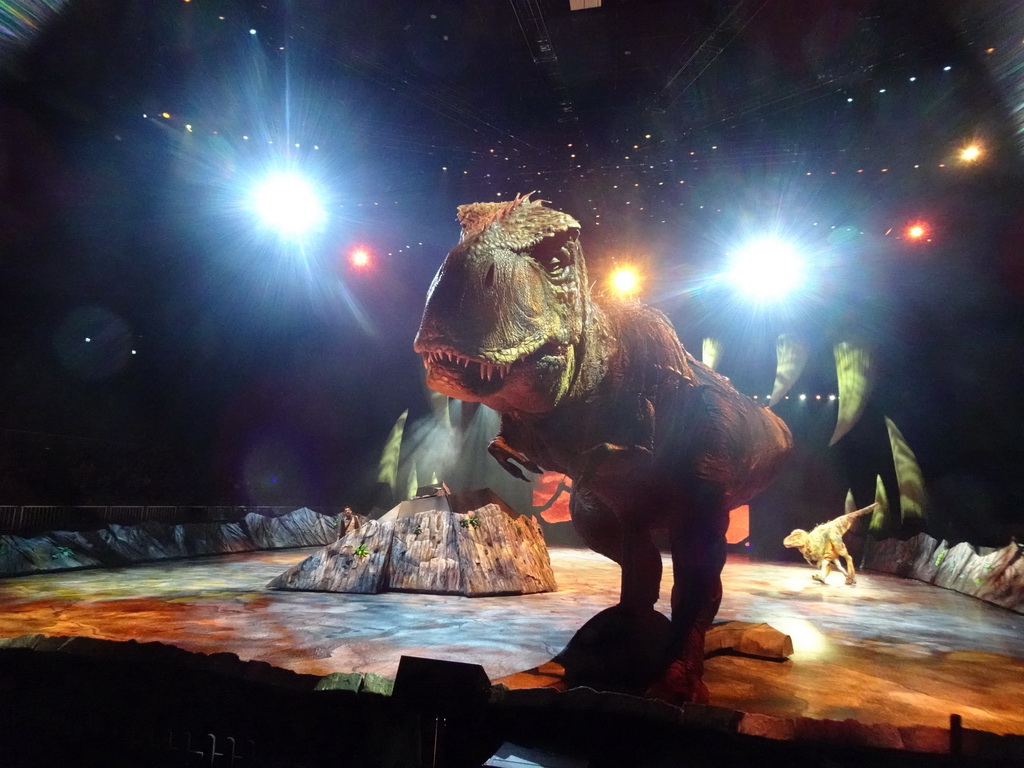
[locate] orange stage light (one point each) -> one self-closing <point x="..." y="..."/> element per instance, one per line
<point x="625" y="282"/>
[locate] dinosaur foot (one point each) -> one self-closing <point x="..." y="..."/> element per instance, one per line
<point x="620" y="649"/>
<point x="678" y="686"/>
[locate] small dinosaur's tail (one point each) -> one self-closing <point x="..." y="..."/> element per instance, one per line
<point x="843" y="523"/>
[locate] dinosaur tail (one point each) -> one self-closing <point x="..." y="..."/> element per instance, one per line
<point x="843" y="523"/>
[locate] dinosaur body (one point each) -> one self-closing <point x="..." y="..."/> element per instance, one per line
<point x="605" y="393"/>
<point x="823" y="546"/>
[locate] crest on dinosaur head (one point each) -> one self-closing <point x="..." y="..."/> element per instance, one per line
<point x="506" y="310"/>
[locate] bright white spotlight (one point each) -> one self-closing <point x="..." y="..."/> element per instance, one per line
<point x="288" y="204"/>
<point x="766" y="270"/>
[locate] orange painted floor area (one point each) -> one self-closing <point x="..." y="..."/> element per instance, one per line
<point x="885" y="650"/>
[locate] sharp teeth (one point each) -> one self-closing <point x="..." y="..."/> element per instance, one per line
<point x="488" y="371"/>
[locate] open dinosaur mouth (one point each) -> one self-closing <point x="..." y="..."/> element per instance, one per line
<point x="469" y="367"/>
<point x="474" y="374"/>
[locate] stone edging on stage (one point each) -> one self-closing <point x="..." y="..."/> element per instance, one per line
<point x="993" y="575"/>
<point x="115" y="546"/>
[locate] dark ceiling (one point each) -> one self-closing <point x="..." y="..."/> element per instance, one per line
<point x="474" y="100"/>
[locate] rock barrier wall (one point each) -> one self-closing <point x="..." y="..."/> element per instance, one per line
<point x="116" y="546"/>
<point x="993" y="575"/>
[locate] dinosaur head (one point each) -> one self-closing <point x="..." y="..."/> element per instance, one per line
<point x="797" y="538"/>
<point x="505" y="312"/>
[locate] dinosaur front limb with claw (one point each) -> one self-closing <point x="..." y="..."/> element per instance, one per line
<point x="506" y="454"/>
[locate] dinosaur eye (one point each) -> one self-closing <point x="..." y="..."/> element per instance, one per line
<point x="553" y="254"/>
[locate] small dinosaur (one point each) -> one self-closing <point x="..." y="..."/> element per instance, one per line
<point x="823" y="546"/>
<point x="602" y="391"/>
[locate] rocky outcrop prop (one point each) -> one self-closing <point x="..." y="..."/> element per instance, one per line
<point x="621" y="649"/>
<point x="115" y="546"/>
<point x="355" y="563"/>
<point x="746" y="638"/>
<point x="487" y="551"/>
<point x="993" y="575"/>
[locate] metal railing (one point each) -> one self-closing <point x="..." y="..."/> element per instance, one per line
<point x="19" y="519"/>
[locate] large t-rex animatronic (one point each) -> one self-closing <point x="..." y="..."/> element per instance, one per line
<point x="604" y="392"/>
<point x="823" y="546"/>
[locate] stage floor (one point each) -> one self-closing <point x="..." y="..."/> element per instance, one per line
<point x="884" y="651"/>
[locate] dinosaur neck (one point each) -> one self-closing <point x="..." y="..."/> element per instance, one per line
<point x="591" y="353"/>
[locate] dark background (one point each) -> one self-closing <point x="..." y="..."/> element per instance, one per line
<point x="225" y="366"/>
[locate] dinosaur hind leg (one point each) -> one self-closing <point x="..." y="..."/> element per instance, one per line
<point x="849" y="571"/>
<point x="622" y="648"/>
<point x="698" y="556"/>
<point x="632" y="549"/>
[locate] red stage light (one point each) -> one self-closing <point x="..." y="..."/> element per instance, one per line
<point x="359" y="258"/>
<point x="917" y="231"/>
